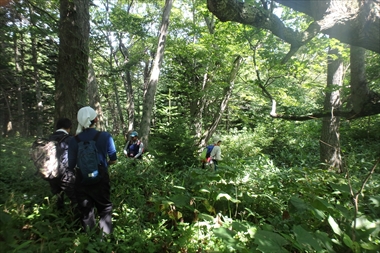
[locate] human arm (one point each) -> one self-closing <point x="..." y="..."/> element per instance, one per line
<point x="72" y="154"/>
<point x="141" y="150"/>
<point x="111" y="151"/>
<point x="126" y="150"/>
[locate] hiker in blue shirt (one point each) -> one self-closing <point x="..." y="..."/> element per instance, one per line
<point x="95" y="195"/>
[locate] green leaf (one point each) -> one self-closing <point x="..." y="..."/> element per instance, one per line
<point x="225" y="195"/>
<point x="347" y="240"/>
<point x="334" y="226"/>
<point x="180" y="200"/>
<point x="325" y="240"/>
<point x="203" y="216"/>
<point x="225" y="234"/>
<point x="179" y="187"/>
<point x="228" y="197"/>
<point x="270" y="242"/>
<point x="298" y="203"/>
<point x="370" y="246"/>
<point x="237" y="226"/>
<point x="306" y="239"/>
<point x="22" y="246"/>
<point x="375" y="200"/>
<point x="204" y="190"/>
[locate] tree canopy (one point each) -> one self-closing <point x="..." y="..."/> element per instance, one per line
<point x="350" y="22"/>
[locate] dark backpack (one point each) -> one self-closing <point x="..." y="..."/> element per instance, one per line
<point x="88" y="160"/>
<point x="46" y="156"/>
<point x="133" y="149"/>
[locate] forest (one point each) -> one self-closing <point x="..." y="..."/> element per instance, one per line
<point x="290" y="87"/>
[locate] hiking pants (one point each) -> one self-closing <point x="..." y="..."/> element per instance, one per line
<point x="94" y="196"/>
<point x="215" y="164"/>
<point x="62" y="185"/>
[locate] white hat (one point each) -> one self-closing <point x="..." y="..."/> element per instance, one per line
<point x="85" y="116"/>
<point x="216" y="139"/>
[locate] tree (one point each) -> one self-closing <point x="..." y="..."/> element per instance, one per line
<point x="73" y="59"/>
<point x="330" y="143"/>
<point x="154" y="75"/>
<point x="352" y="22"/>
<point x="347" y="21"/>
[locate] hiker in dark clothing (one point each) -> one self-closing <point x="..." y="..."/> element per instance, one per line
<point x="97" y="195"/>
<point x="63" y="184"/>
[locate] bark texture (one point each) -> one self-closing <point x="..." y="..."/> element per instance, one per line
<point x="72" y="71"/>
<point x="150" y="92"/>
<point x="330" y="139"/>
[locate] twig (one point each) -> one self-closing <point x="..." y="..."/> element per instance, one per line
<point x="355" y="197"/>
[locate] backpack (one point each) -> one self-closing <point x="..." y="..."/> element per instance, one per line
<point x="88" y="160"/>
<point x="206" y="153"/>
<point x="133" y="149"/>
<point x="45" y="155"/>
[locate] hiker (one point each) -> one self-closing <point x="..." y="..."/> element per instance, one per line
<point x="94" y="195"/>
<point x="134" y="147"/>
<point x="63" y="184"/>
<point x="216" y="153"/>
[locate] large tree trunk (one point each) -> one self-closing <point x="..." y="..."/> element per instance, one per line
<point x="93" y="95"/>
<point x="153" y="77"/>
<point x="40" y="107"/>
<point x="72" y="70"/>
<point x="359" y="88"/>
<point x="330" y="143"/>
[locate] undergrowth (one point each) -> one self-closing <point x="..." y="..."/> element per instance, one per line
<point x="258" y="201"/>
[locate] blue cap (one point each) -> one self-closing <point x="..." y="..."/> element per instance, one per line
<point x="134" y="133"/>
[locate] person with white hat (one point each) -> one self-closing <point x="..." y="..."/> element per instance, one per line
<point x="98" y="194"/>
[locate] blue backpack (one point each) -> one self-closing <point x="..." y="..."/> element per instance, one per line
<point x="88" y="160"/>
<point x="209" y="150"/>
<point x="205" y="156"/>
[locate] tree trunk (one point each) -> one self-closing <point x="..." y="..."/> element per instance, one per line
<point x="7" y="127"/>
<point x="153" y="77"/>
<point x="359" y="87"/>
<point x="20" y="80"/>
<point x="198" y="106"/>
<point x="93" y="95"/>
<point x="330" y="143"/>
<point x="72" y="72"/>
<point x="35" y="76"/>
<point x="127" y="80"/>
<point x="226" y="98"/>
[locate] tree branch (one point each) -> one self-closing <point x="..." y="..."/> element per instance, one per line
<point x="336" y="23"/>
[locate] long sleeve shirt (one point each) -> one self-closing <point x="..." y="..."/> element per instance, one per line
<point x="216" y="153"/>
